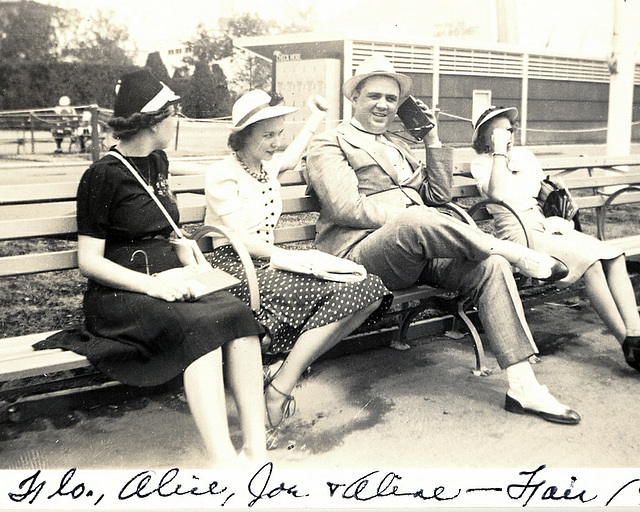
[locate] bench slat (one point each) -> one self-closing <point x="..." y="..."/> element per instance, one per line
<point x="295" y="234"/>
<point x="629" y="244"/>
<point x="66" y="191"/>
<point x="40" y="362"/>
<point x="31" y="228"/>
<point x="39" y="262"/>
<point x="26" y="340"/>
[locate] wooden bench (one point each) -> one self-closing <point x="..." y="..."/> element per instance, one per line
<point x="48" y="210"/>
<point x="597" y="183"/>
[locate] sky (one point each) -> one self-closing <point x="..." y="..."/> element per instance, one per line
<point x="151" y="22"/>
<point x="564" y="26"/>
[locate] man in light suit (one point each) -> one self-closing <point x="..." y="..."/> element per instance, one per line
<point x="377" y="209"/>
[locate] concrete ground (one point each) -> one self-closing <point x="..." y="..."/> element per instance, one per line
<point x="420" y="408"/>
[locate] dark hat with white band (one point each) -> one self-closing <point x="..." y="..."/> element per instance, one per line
<point x="141" y="92"/>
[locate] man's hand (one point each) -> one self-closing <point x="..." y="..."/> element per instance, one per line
<point x="431" y="139"/>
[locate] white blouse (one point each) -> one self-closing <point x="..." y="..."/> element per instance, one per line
<point x="523" y="184"/>
<point x="229" y="188"/>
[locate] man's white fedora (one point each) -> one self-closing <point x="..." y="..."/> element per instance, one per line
<point x="376" y="65"/>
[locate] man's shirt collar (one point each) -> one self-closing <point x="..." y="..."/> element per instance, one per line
<point x="358" y="126"/>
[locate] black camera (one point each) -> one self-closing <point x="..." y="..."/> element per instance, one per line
<point x="414" y="119"/>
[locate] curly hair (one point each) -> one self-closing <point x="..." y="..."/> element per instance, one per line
<point x="482" y="144"/>
<point x="237" y="140"/>
<point x="125" y="128"/>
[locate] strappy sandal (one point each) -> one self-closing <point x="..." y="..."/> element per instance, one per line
<point x="287" y="409"/>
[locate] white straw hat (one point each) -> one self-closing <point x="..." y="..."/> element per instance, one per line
<point x="255" y="106"/>
<point x="377" y="65"/>
<point x="509" y="112"/>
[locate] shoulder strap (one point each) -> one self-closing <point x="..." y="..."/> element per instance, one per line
<point x="149" y="190"/>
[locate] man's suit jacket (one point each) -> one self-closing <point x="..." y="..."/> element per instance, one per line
<point x="358" y="186"/>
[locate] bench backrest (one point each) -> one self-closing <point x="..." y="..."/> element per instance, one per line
<point x="48" y="210"/>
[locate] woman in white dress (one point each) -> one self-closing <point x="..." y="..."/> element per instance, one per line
<point x="512" y="175"/>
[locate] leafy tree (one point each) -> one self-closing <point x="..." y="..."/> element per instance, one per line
<point x="207" y="95"/>
<point x="300" y="20"/>
<point x="156" y="66"/>
<point x="249" y="72"/>
<point x="207" y="48"/>
<point x="98" y="40"/>
<point x="27" y="33"/>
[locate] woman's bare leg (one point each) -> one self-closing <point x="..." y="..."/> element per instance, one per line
<point x="243" y="360"/>
<point x="308" y="347"/>
<point x="623" y="294"/>
<point x="602" y="300"/>
<point x="204" y="388"/>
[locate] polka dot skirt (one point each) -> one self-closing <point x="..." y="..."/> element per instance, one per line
<point x="291" y="303"/>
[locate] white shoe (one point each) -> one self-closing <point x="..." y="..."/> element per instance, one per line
<point x="535" y="264"/>
<point x="540" y="402"/>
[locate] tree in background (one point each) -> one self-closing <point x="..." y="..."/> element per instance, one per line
<point x="96" y="39"/>
<point x="156" y="66"/>
<point x="47" y="52"/>
<point x="206" y="94"/>
<point x="27" y="32"/>
<point x="246" y="69"/>
<point x="250" y="71"/>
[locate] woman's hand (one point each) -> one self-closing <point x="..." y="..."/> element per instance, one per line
<point x="501" y="139"/>
<point x="317" y="104"/>
<point x="173" y="285"/>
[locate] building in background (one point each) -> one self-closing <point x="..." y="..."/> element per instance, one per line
<point x="562" y="98"/>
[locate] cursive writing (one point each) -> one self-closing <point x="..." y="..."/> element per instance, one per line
<point x="623" y="488"/>
<point x="518" y="491"/>
<point x="262" y="480"/>
<point x="145" y="484"/>
<point x="371" y="486"/>
<point x="32" y="486"/>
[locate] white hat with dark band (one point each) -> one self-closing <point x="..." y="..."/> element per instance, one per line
<point x="510" y="113"/>
<point x="255" y="106"/>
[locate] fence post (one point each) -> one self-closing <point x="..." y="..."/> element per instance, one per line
<point x="95" y="135"/>
<point x="33" y="137"/>
<point x="177" y="133"/>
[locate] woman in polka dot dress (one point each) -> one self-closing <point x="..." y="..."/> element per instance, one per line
<point x="303" y="315"/>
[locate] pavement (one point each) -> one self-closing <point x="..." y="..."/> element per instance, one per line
<point x="417" y="410"/>
<point x="420" y="408"/>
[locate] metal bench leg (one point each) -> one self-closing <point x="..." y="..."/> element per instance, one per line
<point x="481" y="362"/>
<point x="404" y="323"/>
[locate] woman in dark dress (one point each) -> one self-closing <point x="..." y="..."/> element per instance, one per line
<point x="145" y="329"/>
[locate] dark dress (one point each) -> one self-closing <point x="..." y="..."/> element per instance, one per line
<point x="132" y="337"/>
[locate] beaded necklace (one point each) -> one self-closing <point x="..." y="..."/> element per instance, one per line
<point x="262" y="176"/>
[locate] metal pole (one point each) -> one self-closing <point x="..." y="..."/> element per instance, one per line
<point x="177" y="133"/>
<point x="621" y="67"/>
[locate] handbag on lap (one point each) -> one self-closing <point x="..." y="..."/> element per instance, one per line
<point x="555" y="200"/>
<point x="197" y="271"/>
